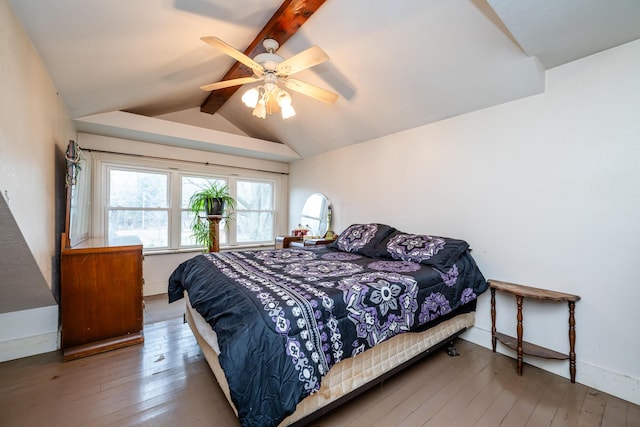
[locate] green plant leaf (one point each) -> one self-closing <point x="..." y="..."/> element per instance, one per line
<point x="198" y="206"/>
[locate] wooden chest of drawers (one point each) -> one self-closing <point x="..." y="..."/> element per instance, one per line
<point x="101" y="296"/>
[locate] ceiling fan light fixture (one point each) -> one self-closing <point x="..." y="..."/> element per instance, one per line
<point x="260" y="110"/>
<point x="288" y="111"/>
<point x="272" y="69"/>
<point x="250" y="98"/>
<point x="267" y="99"/>
<point x="284" y="102"/>
<point x="283" y="98"/>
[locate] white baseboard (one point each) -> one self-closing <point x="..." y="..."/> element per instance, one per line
<point x="28" y="346"/>
<point x="613" y="383"/>
<point x="29" y="332"/>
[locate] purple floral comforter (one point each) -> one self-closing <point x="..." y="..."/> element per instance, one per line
<point x="284" y="317"/>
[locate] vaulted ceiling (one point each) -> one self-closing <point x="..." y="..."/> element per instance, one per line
<point x="133" y="69"/>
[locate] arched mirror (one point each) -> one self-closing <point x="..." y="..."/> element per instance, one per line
<point x="316" y="214"/>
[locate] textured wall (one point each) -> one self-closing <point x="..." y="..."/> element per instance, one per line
<point x="34" y="131"/>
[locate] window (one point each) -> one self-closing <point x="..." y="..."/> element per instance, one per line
<point x="138" y="204"/>
<point x="150" y="200"/>
<point x="254" y="211"/>
<point x="189" y="185"/>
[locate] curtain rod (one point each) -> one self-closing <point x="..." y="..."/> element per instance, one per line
<point x="90" y="150"/>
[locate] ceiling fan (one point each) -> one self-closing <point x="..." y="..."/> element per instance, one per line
<point x="272" y="69"/>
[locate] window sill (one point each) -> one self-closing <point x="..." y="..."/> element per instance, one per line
<point x="200" y="250"/>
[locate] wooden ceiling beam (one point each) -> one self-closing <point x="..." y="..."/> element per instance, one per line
<point x="282" y="25"/>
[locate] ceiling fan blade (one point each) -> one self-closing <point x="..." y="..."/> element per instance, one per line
<point x="301" y="61"/>
<point x="234" y="53"/>
<point x="311" y="90"/>
<point x="228" y="83"/>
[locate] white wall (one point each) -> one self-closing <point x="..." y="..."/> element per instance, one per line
<point x="545" y="189"/>
<point x="34" y="131"/>
<point x="34" y="124"/>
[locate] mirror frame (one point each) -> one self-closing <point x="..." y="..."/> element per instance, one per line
<point x="78" y="185"/>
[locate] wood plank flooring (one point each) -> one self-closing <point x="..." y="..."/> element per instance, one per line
<point x="167" y="382"/>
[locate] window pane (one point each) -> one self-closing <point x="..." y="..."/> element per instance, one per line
<point x="254" y="226"/>
<point x="191" y="184"/>
<point x="151" y="227"/>
<point x="223" y="232"/>
<point x="185" y="229"/>
<point x="137" y="189"/>
<point x="255" y="195"/>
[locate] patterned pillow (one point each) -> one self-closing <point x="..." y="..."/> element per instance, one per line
<point x="438" y="252"/>
<point x="362" y="238"/>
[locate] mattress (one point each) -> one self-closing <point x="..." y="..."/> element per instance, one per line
<point x="347" y="375"/>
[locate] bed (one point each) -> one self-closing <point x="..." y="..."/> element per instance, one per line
<point x="291" y="333"/>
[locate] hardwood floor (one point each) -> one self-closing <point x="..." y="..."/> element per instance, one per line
<point x="167" y="382"/>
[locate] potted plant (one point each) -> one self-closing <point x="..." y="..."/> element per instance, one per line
<point x="215" y="200"/>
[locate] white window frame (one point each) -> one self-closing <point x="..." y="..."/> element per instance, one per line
<point x="103" y="162"/>
<point x="106" y="207"/>
<point x="272" y="210"/>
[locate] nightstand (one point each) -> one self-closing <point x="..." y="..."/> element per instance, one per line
<point x="283" y="242"/>
<point x="516" y="343"/>
<point x="311" y="242"/>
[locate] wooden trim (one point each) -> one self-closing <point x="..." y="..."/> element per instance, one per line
<point x="102" y="346"/>
<point x="530" y="349"/>
<point x="531" y="292"/>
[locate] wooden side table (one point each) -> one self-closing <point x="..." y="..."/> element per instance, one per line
<point x="523" y="347"/>
<point x="283" y="242"/>
<point x="317" y="242"/>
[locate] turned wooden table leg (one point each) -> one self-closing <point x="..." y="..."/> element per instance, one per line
<point x="519" y="300"/>
<point x="572" y="341"/>
<point x="493" y="319"/>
